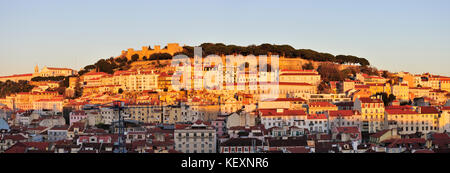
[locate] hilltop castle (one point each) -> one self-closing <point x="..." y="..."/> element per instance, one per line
<point x="146" y="51"/>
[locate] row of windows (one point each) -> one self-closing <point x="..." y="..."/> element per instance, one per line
<point x="418" y="128"/>
<point x="196" y="146"/>
<point x="195" y="151"/>
<point x="194" y="134"/>
<point x="234" y="150"/>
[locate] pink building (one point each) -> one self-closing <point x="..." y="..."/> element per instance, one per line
<point x="219" y="125"/>
<point x="76" y="116"/>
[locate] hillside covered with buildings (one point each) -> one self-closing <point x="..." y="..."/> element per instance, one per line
<point x="322" y="104"/>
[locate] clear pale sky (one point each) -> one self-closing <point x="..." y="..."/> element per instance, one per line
<point x="400" y="35"/>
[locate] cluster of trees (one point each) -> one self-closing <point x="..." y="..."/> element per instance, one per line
<point x="122" y="63"/>
<point x="63" y="80"/>
<point x="387" y="99"/>
<point x="60" y="90"/>
<point x="282" y="50"/>
<point x="308" y="66"/>
<point x="331" y="72"/>
<point x="105" y="65"/>
<point x="39" y="78"/>
<point x="9" y="87"/>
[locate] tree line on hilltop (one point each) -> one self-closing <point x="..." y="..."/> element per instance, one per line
<point x="10" y="87"/>
<point x="122" y="63"/>
<point x="281" y="50"/>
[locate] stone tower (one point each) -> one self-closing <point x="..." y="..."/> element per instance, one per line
<point x="36" y="69"/>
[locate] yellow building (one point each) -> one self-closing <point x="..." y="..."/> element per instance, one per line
<point x="370" y="79"/>
<point x="321" y="107"/>
<point x="136" y="80"/>
<point x="444" y="120"/>
<point x="379" y="88"/>
<point x="372" y="113"/>
<point x="416" y="92"/>
<point x="423" y="120"/>
<point x="17" y="77"/>
<point x="445" y="84"/>
<point x="165" y="81"/>
<point x="300" y="76"/>
<point x="53" y="72"/>
<point x="401" y="91"/>
<point x="407" y="78"/>
<point x="49" y="104"/>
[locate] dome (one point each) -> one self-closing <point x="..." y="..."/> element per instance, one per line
<point x="3" y="125"/>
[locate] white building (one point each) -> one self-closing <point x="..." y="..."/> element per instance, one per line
<point x="197" y="138"/>
<point x="282" y="117"/>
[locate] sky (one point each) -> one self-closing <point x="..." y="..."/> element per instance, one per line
<point x="399" y="35"/>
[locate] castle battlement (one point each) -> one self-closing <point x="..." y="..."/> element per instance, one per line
<point x="171" y="49"/>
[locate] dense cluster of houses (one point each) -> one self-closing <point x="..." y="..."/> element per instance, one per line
<point x="352" y="117"/>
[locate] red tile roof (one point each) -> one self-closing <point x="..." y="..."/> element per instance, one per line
<point x="351" y="129"/>
<point x="299" y="74"/>
<point x="369" y="100"/>
<point x="399" y="107"/>
<point x="294" y="83"/>
<point x="321" y="104"/>
<point x="395" y="142"/>
<point x="39" y="145"/>
<point x="286" y="112"/>
<point x="287" y="99"/>
<point x="64" y="127"/>
<point x="400" y="112"/>
<point x="316" y="116"/>
<point x="95" y="73"/>
<point x="343" y="113"/>
<point x="17" y="75"/>
<point x="428" y="110"/>
<point x="380" y="133"/>
<point x="55" y="68"/>
<point x="14" y="137"/>
<point x="17" y="148"/>
<point x="297" y="150"/>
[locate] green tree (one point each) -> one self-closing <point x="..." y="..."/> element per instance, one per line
<point x="9" y="87"/>
<point x="308" y="66"/>
<point x="330" y="72"/>
<point x="134" y="57"/>
<point x="387" y="99"/>
<point x="104" y="66"/>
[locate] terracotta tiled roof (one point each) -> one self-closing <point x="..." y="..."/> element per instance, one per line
<point x="380" y="133"/>
<point x="316" y="116"/>
<point x="399" y="111"/>
<point x="14" y="137"/>
<point x="321" y="104"/>
<point x="369" y="100"/>
<point x="17" y="75"/>
<point x="286" y="99"/>
<point x="428" y="110"/>
<point x="343" y="113"/>
<point x="55" y="68"/>
<point x="347" y="129"/>
<point x="286" y="112"/>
